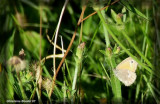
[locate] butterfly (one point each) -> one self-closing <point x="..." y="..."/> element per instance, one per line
<point x="125" y="71"/>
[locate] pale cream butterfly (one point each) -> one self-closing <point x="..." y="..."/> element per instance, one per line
<point x="125" y="71"/>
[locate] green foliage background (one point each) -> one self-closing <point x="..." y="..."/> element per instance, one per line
<point x="127" y="28"/>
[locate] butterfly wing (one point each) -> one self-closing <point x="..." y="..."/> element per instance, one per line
<point x="125" y="76"/>
<point x="128" y="63"/>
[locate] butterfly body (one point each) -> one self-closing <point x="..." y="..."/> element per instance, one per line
<point x="125" y="71"/>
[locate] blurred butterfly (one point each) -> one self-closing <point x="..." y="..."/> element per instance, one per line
<point x="125" y="71"/>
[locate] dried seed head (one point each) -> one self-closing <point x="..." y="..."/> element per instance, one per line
<point x="37" y="73"/>
<point x="14" y="60"/>
<point x="34" y="66"/>
<point x="17" y="63"/>
<point x="47" y="84"/>
<point x="22" y="54"/>
<point x="35" y="69"/>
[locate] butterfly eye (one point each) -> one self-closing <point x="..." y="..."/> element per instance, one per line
<point x="132" y="61"/>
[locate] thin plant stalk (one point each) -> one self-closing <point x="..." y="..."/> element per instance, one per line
<point x="115" y="83"/>
<point x="56" y="35"/>
<point x="40" y="32"/>
<point x="55" y="41"/>
<point x="79" y="22"/>
<point x="75" y="76"/>
<point x="70" y="44"/>
<point x="74" y="82"/>
<point x="21" y="87"/>
<point x="78" y="59"/>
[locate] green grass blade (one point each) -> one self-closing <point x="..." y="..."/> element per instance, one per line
<point x="132" y="9"/>
<point x="136" y="48"/>
<point x="151" y="90"/>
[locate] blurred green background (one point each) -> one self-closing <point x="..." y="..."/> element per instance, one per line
<point x="135" y="25"/>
